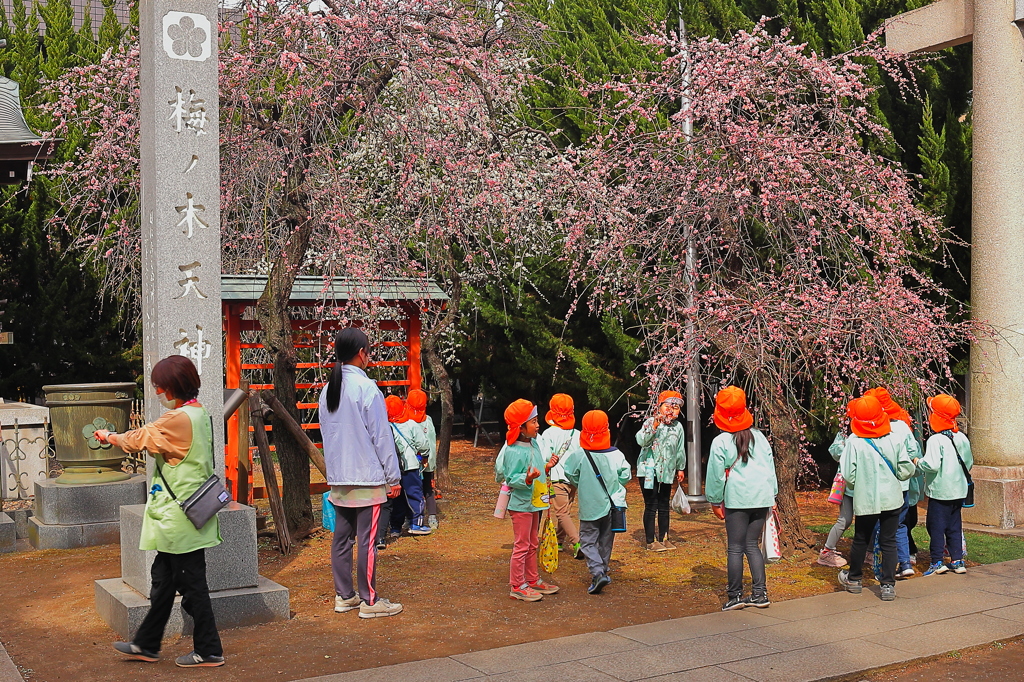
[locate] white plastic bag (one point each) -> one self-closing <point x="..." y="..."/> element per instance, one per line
<point x="771" y="548"/>
<point x="679" y="502"/>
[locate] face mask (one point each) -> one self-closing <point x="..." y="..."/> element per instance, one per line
<point x="166" y="402"/>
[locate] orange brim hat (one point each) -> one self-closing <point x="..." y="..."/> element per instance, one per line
<point x="673" y="397"/>
<point x="731" y="413"/>
<point x="867" y="418"/>
<point x="944" y="411"/>
<point x="562" y="412"/>
<point x="395" y="406"/>
<point x="595" y="434"/>
<point x="517" y="414"/>
<point x="891" y="408"/>
<point x="416" y="404"/>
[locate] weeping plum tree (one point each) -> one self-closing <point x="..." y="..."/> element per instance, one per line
<point x="369" y="140"/>
<point x="804" y="283"/>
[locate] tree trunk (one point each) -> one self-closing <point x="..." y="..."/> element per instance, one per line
<point x="786" y="444"/>
<point x="444" y="383"/>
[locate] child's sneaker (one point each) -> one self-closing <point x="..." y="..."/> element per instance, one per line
<point x="735" y="604"/>
<point x="342" y="605"/>
<point x="525" y="593"/>
<point x="888" y="592"/>
<point x="938" y="568"/>
<point x="852" y="586"/>
<point x="380" y="609"/>
<point x="432" y="521"/>
<point x="958" y="567"/>
<point x="381" y="544"/>
<point x="395" y="533"/>
<point x="420" y="530"/>
<point x="544" y="588"/>
<point x="598" y="584"/>
<point x="758" y="600"/>
<point x="831" y="558"/>
<point x="906" y="571"/>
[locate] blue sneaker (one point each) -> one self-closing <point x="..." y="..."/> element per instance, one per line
<point x="958" y="567"/>
<point x="420" y="530"/>
<point x="937" y="568"/>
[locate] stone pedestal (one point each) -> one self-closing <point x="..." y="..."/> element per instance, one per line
<point x="8" y="535"/>
<point x="240" y="596"/>
<point x="998" y="496"/>
<point x="72" y="516"/>
<point x="23" y="449"/>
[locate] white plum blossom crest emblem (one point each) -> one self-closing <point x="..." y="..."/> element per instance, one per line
<point x="187" y="36"/>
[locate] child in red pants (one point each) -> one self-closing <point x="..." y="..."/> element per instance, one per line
<point x="523" y="468"/>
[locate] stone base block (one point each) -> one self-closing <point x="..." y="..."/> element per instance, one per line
<point x="21" y="517"/>
<point x="230" y="565"/>
<point x="45" y="536"/>
<point x="123" y="608"/>
<point x="8" y="534"/>
<point x="998" y="497"/>
<point x="69" y="505"/>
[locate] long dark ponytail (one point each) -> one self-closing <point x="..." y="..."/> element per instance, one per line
<point x="347" y="345"/>
<point x="742" y="440"/>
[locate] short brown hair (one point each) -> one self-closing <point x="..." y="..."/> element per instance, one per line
<point x="178" y="376"/>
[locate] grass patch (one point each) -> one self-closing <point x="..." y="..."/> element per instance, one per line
<point x="981" y="547"/>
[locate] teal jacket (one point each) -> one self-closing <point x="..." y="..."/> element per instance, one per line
<point x="875" y="487"/>
<point x="900" y="429"/>
<point x="663" y="451"/>
<point x="409" y="442"/>
<point x="752" y="485"/>
<point x="943" y="476"/>
<point x="561" y="442"/>
<point x="511" y="466"/>
<point x="615" y="473"/>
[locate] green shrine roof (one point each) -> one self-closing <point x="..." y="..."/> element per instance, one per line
<point x="315" y="288"/>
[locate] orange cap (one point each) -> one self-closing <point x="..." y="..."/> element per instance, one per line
<point x="945" y="409"/>
<point x="890" y="406"/>
<point x="517" y="414"/>
<point x="867" y="418"/>
<point x="396" y="407"/>
<point x="561" y="413"/>
<point x="731" y="413"/>
<point x="595" y="434"/>
<point x="674" y="396"/>
<point x="416" y="405"/>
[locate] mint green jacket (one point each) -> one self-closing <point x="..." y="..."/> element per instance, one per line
<point x="663" y="451"/>
<point x="751" y="485"/>
<point x="511" y="466"/>
<point x="409" y="440"/>
<point x="875" y="488"/>
<point x="558" y="441"/>
<point x="900" y="429"/>
<point x="615" y="473"/>
<point x="943" y="476"/>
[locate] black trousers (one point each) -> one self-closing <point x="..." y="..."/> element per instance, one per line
<point x="184" y="574"/>
<point x="910" y="521"/>
<point x="656" y="501"/>
<point x="744" y="528"/>
<point x="864" y="526"/>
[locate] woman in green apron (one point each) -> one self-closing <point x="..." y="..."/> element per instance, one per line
<point x="181" y="443"/>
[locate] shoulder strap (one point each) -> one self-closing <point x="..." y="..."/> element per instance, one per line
<point x="156" y="460"/>
<point x="399" y="432"/>
<point x="949" y="435"/>
<point x="871" y="442"/>
<point x="600" y="478"/>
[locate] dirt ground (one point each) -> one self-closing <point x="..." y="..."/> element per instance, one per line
<point x="453" y="585"/>
<point x="997" y="661"/>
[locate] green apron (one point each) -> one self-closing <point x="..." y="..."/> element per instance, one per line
<point x="165" y="527"/>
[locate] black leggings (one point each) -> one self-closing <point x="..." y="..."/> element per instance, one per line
<point x="656" y="501"/>
<point x="744" y="528"/>
<point x="863" y="527"/>
<point x="429" y="496"/>
<point x="184" y="574"/>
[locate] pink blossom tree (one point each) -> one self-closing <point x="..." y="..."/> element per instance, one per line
<point x="373" y="140"/>
<point x="806" y="281"/>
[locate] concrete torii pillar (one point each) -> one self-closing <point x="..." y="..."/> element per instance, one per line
<point x="996" y="409"/>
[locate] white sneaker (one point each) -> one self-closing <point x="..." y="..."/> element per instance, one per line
<point x="381" y="609"/>
<point x="432" y="521"/>
<point x="342" y="605"/>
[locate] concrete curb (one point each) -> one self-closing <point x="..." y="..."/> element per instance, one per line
<point x="8" y="671"/>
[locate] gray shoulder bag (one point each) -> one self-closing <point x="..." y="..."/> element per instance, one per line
<point x="203" y="504"/>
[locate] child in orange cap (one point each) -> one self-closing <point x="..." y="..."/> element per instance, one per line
<point x="561" y="439"/>
<point x="874" y="463"/>
<point x="946" y="465"/>
<point x="600" y="472"/>
<point x="662" y="462"/>
<point x="411" y="446"/>
<point x="416" y="404"/>
<point x="741" y="474"/>
<point x="523" y="468"/>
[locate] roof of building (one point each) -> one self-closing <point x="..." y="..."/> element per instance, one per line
<point x="315" y="288"/>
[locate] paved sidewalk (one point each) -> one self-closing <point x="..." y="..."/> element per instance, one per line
<point x="802" y="639"/>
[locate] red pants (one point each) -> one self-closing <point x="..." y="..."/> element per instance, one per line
<point x="523" y="567"/>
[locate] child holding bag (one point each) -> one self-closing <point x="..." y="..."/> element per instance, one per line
<point x="946" y="466"/>
<point x="599" y="472"/>
<point x="523" y="469"/>
<point x="410" y="444"/>
<point x="561" y="439"/>
<point x="662" y="462"/>
<point x="741" y="475"/>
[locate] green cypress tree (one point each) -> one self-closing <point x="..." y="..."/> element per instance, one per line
<point x="934" y="171"/>
<point x="110" y="28"/>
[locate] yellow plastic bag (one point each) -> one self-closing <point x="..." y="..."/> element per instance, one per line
<point x="548" y="551"/>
